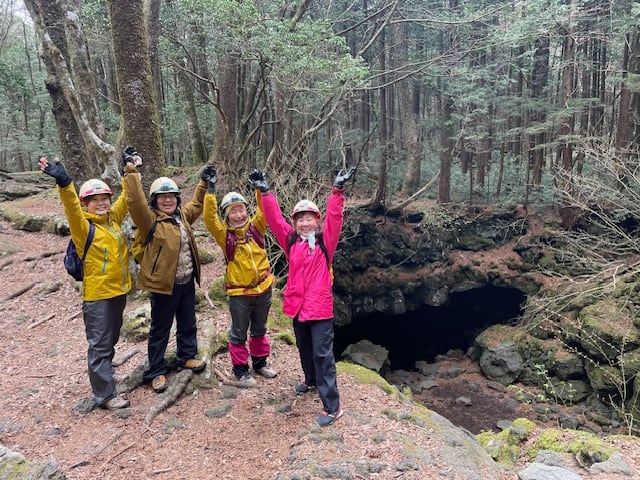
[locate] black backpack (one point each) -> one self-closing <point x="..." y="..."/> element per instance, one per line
<point x="73" y="263"/>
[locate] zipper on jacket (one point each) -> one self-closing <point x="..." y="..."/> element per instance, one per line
<point x="104" y="259"/>
<point x="155" y="262"/>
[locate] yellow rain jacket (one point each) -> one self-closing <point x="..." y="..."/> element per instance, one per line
<point x="106" y="266"/>
<point x="249" y="273"/>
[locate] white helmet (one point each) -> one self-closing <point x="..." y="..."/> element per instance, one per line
<point x="163" y="185"/>
<point x="93" y="186"/>
<point x="305" y="206"/>
<point x="229" y="199"/>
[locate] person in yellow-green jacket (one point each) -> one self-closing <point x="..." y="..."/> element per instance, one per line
<point x="248" y="278"/>
<point x="106" y="279"/>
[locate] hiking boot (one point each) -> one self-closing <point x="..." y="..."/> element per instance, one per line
<point x="115" y="403"/>
<point x="195" y="365"/>
<point x="302" y="388"/>
<point x="325" y="419"/>
<point x="266" y="372"/>
<point x="246" y="381"/>
<point x="159" y="384"/>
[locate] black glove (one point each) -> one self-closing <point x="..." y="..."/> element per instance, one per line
<point x="343" y="177"/>
<point x="57" y="171"/>
<point x="210" y="176"/>
<point x="258" y="180"/>
<point x="129" y="155"/>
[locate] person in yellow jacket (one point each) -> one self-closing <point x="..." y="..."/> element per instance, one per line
<point x="106" y="273"/>
<point x="248" y="278"/>
<point x="169" y="267"/>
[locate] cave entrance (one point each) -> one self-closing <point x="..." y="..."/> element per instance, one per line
<point x="424" y="333"/>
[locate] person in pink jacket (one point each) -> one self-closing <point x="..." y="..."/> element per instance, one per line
<point x="309" y="246"/>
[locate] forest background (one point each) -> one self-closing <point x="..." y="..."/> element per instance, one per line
<point x="494" y="103"/>
<point x="527" y="102"/>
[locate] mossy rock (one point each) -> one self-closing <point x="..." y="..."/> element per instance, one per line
<point x="549" y="439"/>
<point x="605" y="378"/>
<point x="504" y="447"/>
<point x="589" y="449"/>
<point x="605" y="327"/>
<point x="14" y="466"/>
<point x="217" y="292"/>
<point x="135" y="325"/>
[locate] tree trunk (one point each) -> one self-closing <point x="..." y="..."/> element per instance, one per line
<point x="227" y="113"/>
<point x="198" y="151"/>
<point x="140" y="123"/>
<point x="566" y="149"/>
<point x="539" y="79"/>
<point x="152" y="9"/>
<point x="84" y="151"/>
<point x="445" y="150"/>
<point x="408" y="127"/>
<point x="377" y="203"/>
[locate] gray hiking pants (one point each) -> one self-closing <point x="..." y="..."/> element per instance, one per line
<point x="102" y="323"/>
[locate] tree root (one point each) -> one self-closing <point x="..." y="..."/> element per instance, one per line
<point x="231" y="382"/>
<point x="41" y="321"/>
<point x="121" y="361"/>
<point x="19" y="292"/>
<point x="174" y="391"/>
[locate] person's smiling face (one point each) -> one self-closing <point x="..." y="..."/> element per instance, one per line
<point x="98" y="204"/>
<point x="167" y="202"/>
<point x="237" y="215"/>
<point x="306" y="223"/>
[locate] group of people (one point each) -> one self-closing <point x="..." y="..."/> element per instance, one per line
<point x="165" y="248"/>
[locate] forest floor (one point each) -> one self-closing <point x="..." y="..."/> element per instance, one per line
<point x="43" y="351"/>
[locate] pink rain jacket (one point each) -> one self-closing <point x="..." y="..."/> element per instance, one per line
<point x="308" y="293"/>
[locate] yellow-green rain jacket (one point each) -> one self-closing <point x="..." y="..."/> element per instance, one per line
<point x="249" y="272"/>
<point x="106" y="266"/>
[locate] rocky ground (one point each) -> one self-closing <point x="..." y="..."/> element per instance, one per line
<point x="217" y="431"/>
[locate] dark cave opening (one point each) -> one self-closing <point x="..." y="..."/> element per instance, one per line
<point x="424" y="333"/>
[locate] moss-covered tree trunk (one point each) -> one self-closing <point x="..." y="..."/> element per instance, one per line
<point x="140" y="124"/>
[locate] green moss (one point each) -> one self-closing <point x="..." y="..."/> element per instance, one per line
<point x="217" y="292"/>
<point x="285" y="337"/>
<point x="505" y="446"/>
<point x="278" y="320"/>
<point x="363" y="375"/>
<point x="589" y="449"/>
<point x="549" y="439"/>
<point x="135" y="329"/>
<point x="520" y="430"/>
<point x="207" y="256"/>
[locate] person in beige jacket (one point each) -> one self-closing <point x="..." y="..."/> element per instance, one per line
<point x="166" y="249"/>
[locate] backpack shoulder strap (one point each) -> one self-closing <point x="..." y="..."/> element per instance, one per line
<point x="151" y="233"/>
<point x="254" y="233"/>
<point x="92" y="231"/>
<point x="324" y="249"/>
<point x="232" y="241"/>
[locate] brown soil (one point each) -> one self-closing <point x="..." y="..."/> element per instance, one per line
<point x="43" y="351"/>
